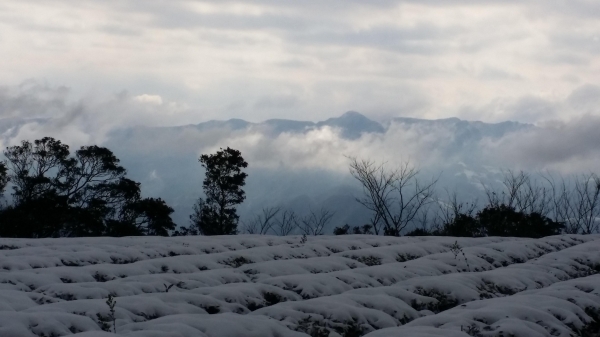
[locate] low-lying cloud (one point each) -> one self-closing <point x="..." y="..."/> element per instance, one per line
<point x="33" y="109"/>
<point x="570" y="147"/>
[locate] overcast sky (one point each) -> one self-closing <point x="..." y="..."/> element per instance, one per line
<point x="177" y="62"/>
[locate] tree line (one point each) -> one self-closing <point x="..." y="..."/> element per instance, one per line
<point x="526" y="206"/>
<point x="60" y="193"/>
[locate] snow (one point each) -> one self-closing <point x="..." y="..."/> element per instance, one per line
<point x="250" y="285"/>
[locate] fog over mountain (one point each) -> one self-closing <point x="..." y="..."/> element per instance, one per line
<point x="301" y="165"/>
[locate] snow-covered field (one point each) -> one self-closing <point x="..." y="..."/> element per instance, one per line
<point x="261" y="286"/>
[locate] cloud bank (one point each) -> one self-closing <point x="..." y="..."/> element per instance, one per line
<point x="304" y="166"/>
<point x="568" y="140"/>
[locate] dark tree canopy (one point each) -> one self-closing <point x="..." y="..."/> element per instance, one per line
<point x="216" y="214"/>
<point x="87" y="194"/>
<point x="222" y="186"/>
<point x="3" y="178"/>
<point x="502" y="220"/>
<point x="346" y="229"/>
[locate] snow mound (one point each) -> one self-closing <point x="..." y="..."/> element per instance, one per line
<point x="249" y="285"/>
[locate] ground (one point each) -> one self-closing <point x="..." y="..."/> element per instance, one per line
<point x="261" y="286"/>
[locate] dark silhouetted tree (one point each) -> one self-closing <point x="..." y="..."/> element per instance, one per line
<point x="149" y="216"/>
<point x="506" y="221"/>
<point x="216" y="214"/>
<point x="40" y="217"/>
<point x="3" y="178"/>
<point x="87" y="194"/>
<point x="463" y="225"/>
<point x="419" y="232"/>
<point x="501" y="220"/>
<point x="346" y="229"/>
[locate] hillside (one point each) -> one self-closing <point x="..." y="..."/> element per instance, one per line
<point x="282" y="286"/>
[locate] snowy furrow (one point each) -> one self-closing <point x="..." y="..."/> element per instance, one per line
<point x="568" y="308"/>
<point x="504" y="254"/>
<point x="251" y="285"/>
<point x="418" y="296"/>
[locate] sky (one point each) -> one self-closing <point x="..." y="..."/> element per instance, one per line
<point x="178" y="62"/>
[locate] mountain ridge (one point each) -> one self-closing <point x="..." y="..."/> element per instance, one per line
<point x="353" y="124"/>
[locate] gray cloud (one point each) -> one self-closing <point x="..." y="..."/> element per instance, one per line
<point x="525" y="109"/>
<point x="585" y="99"/>
<point x="234" y="58"/>
<point x="32" y="99"/>
<point x="566" y="146"/>
<point x="34" y="109"/>
<point x="421" y="39"/>
<point x="277" y="102"/>
<point x="490" y="73"/>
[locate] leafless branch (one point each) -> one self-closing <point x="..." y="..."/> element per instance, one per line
<point x="262" y="223"/>
<point x="286" y="223"/>
<point x="315" y="222"/>
<point x="394" y="196"/>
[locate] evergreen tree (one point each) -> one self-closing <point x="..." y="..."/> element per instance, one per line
<point x="216" y="214"/>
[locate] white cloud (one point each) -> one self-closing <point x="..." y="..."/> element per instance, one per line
<point x="149" y="99"/>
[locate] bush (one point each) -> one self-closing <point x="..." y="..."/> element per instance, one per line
<point x="346" y="229"/>
<point x="501" y="220"/>
<point x="419" y="232"/>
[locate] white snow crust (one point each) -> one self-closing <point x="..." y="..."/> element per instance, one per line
<point x="249" y="285"/>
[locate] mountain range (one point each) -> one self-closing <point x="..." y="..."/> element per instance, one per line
<point x="165" y="159"/>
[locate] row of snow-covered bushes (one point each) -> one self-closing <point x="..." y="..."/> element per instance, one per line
<point x="347" y="286"/>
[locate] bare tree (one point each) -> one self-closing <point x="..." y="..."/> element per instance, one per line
<point x="527" y="194"/>
<point x="586" y="199"/>
<point x="262" y="223"/>
<point x="377" y="186"/>
<point x="315" y="222"/>
<point x="576" y="202"/>
<point x="452" y="207"/>
<point x="425" y="220"/>
<point x="394" y="196"/>
<point x="521" y="192"/>
<point x="286" y="223"/>
<point x="513" y="182"/>
<point x="561" y="204"/>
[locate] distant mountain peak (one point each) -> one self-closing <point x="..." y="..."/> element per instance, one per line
<point x="353" y="114"/>
<point x="353" y="124"/>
